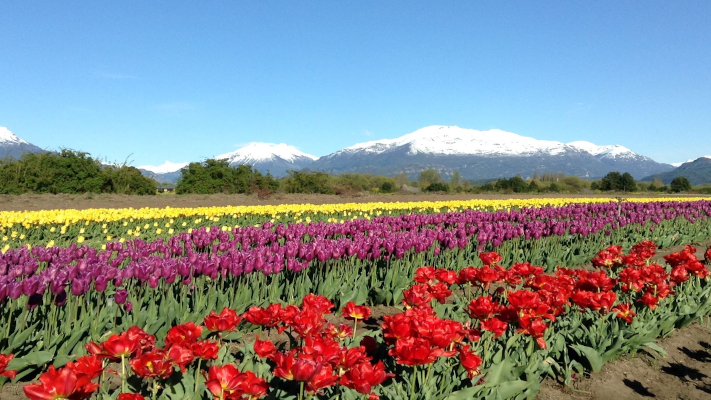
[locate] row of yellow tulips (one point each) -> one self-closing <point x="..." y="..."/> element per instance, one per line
<point x="98" y="226"/>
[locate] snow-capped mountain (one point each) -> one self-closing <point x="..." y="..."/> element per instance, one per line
<point x="276" y="159"/>
<point x="453" y="140"/>
<point x="14" y="147"/>
<point x="168" y="172"/>
<point x="484" y="154"/>
<point x="613" y="151"/>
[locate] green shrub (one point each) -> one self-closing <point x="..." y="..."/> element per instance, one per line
<point x="216" y="176"/>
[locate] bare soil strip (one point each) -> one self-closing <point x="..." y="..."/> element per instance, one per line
<point x="31" y="202"/>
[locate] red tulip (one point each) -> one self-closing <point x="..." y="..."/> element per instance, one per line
<point x="268" y="317"/>
<point x="264" y="349"/>
<point x="224" y="382"/>
<point x="305" y="369"/>
<point x="251" y="386"/>
<point x="495" y="325"/>
<point x="317" y="303"/>
<point x="363" y="376"/>
<point x="4" y="360"/>
<point x="483" y="308"/>
<point x="115" y="347"/>
<point x="425" y="275"/>
<point x="206" y="349"/>
<point x="417" y="295"/>
<point x="355" y="313"/>
<point x="226" y="321"/>
<point x="60" y="384"/>
<point x="183" y="334"/>
<point x="323" y="378"/>
<point x="470" y="361"/>
<point x="624" y="312"/>
<point x="152" y="365"/>
<point x="130" y="396"/>
<point x="88" y="366"/>
<point x="491" y="258"/>
<point x="181" y="355"/>
<point x="415" y="351"/>
<point x="446" y="276"/>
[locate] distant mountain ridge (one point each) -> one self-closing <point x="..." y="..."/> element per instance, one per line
<point x="477" y="155"/>
<point x="168" y="172"/>
<point x="698" y="172"/>
<point x="14" y="147"/>
<point x="484" y="154"/>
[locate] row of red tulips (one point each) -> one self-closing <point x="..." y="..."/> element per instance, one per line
<point x="322" y="358"/>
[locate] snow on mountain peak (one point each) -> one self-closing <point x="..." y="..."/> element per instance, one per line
<point x="259" y="152"/>
<point x="453" y="140"/>
<point x="7" y="137"/>
<point x="606" y="151"/>
<point x="165" y="168"/>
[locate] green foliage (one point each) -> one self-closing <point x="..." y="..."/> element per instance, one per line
<point x="216" y="176"/>
<point x="70" y="172"/>
<point x="438" y="187"/>
<point x="387" y="187"/>
<point x="680" y="184"/>
<point x="129" y="180"/>
<point x="307" y="182"/>
<point x="618" y="182"/>
<point x="428" y="177"/>
<point x="515" y="184"/>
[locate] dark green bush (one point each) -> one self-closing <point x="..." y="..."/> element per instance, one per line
<point x="71" y="172"/>
<point x="438" y="187"/>
<point x="216" y="176"/>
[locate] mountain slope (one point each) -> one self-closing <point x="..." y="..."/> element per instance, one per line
<point x="698" y="172"/>
<point x="483" y="154"/>
<point x="14" y="147"/>
<point x="272" y="158"/>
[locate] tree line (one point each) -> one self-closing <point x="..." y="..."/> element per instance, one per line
<point x="71" y="172"/>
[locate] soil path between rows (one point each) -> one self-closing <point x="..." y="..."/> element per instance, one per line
<point x="31" y="202"/>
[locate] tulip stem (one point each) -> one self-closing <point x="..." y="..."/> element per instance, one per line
<point x="197" y="373"/>
<point x="123" y="373"/>
<point x="427" y="379"/>
<point x="154" y="390"/>
<point x="301" y="390"/>
<point x="355" y="328"/>
<point x="412" y="384"/>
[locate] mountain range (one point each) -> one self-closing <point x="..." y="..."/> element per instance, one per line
<point x="477" y="155"/>
<point x="484" y="155"/>
<point x="13" y="147"/>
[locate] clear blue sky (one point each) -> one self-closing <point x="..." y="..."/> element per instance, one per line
<point x="186" y="80"/>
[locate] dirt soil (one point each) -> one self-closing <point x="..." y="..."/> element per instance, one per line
<point x="84" y="201"/>
<point x="684" y="374"/>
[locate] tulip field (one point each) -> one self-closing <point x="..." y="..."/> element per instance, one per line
<point x="486" y="298"/>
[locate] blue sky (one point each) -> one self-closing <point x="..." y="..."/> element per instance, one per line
<point x="185" y="80"/>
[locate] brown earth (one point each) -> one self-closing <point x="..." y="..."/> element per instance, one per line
<point x="82" y="201"/>
<point x="684" y="374"/>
